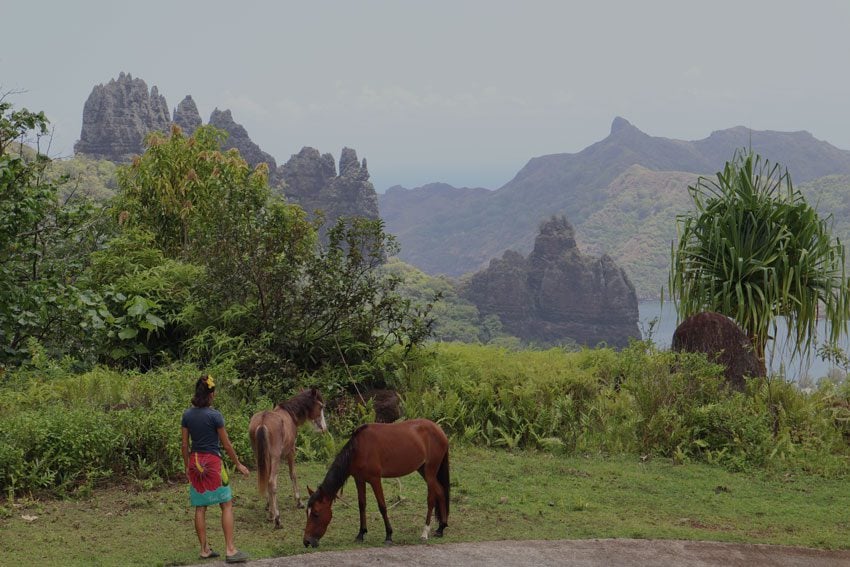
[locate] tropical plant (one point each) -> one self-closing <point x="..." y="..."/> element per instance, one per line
<point x="44" y="243"/>
<point x="755" y="250"/>
<point x="189" y="193"/>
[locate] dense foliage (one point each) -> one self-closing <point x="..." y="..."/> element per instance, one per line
<point x="63" y="431"/>
<point x="194" y="260"/>
<point x="45" y="244"/>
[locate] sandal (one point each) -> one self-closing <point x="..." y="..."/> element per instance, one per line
<point x="212" y="555"/>
<point x="238" y="557"/>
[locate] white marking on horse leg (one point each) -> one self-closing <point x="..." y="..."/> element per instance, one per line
<point x="426" y="532"/>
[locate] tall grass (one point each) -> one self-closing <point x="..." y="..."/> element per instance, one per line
<point x="65" y="432"/>
<point x="638" y="401"/>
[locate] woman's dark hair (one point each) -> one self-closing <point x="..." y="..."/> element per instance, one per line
<point x="204" y="388"/>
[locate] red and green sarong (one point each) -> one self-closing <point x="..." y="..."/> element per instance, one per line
<point x="208" y="482"/>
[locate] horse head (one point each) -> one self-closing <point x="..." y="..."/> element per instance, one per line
<point x="319" y="515"/>
<point x="317" y="412"/>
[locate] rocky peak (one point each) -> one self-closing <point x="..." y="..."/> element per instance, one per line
<point x="558" y="294"/>
<point x="238" y="138"/>
<point x="186" y="115"/>
<point x="118" y="115"/>
<point x="556" y="237"/>
<point x="347" y="159"/>
<point x="310" y="180"/>
<point x="622" y="128"/>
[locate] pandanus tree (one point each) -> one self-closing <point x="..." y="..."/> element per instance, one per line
<point x="753" y="249"/>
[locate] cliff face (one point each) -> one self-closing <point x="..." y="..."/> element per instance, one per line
<point x="117" y="116"/>
<point x="238" y="138"/>
<point x="557" y="293"/>
<point x="310" y="180"/>
<point x="186" y="115"/>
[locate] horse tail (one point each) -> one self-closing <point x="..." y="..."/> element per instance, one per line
<point x="262" y="449"/>
<point x="443" y="479"/>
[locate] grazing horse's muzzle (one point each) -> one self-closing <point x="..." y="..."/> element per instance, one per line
<point x="308" y="541"/>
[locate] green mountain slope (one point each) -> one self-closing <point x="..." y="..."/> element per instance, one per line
<point x="456" y="231"/>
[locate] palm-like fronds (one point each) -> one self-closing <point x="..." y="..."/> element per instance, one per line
<point x="754" y="250"/>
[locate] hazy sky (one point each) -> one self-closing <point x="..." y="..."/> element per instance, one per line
<point x="453" y="91"/>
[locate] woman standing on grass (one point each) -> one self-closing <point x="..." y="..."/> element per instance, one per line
<point x="208" y="482"/>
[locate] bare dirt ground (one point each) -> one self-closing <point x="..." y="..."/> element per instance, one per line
<point x="571" y="553"/>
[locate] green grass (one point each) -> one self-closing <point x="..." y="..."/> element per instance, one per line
<point x="495" y="495"/>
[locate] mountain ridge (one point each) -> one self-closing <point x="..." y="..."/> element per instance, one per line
<point x="481" y="225"/>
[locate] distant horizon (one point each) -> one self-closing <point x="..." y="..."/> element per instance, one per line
<point x="461" y="174"/>
<point x="436" y="91"/>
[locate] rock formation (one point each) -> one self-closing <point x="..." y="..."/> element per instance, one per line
<point x="117" y="117"/>
<point x="186" y="115"/>
<point x="311" y="181"/>
<point x="723" y="341"/>
<point x="557" y="293"/>
<point x="238" y="138"/>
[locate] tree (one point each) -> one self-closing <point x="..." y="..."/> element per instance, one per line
<point x="268" y="297"/>
<point x="189" y="193"/>
<point x="755" y="251"/>
<point x="44" y="243"/>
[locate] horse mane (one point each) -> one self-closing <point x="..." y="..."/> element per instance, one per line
<point x="299" y="406"/>
<point x="338" y="472"/>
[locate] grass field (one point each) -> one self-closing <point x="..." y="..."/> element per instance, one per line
<point x="495" y="495"/>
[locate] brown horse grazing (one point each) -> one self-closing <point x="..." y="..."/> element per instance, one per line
<point x="384" y="450"/>
<point x="273" y="438"/>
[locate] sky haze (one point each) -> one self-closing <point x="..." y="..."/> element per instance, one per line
<point x="462" y="92"/>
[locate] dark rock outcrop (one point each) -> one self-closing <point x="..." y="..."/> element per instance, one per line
<point x="238" y="138"/>
<point x="557" y="293"/>
<point x="310" y="180"/>
<point x="723" y="341"/>
<point x="117" y="116"/>
<point x="186" y="115"/>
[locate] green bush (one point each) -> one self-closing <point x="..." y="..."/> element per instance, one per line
<point x="638" y="401"/>
<point x="62" y="431"/>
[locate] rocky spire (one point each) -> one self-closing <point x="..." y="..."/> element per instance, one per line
<point x="238" y="138"/>
<point x="310" y="180"/>
<point x="186" y="115"/>
<point x="558" y="294"/>
<point x="117" y="117"/>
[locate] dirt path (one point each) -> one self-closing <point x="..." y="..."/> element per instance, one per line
<point x="583" y="553"/>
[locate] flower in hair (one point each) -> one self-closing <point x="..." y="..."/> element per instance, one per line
<point x="209" y="382"/>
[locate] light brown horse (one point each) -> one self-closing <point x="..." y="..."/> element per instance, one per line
<point x="273" y="438"/>
<point x="384" y="450"/>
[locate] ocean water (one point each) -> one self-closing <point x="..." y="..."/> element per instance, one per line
<point x="803" y="370"/>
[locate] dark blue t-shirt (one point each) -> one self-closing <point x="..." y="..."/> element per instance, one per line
<point x="203" y="424"/>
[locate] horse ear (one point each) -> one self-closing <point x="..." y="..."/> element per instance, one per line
<point x="309" y="490"/>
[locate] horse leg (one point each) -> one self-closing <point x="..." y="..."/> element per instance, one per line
<point x="273" y="511"/>
<point x="361" y="503"/>
<point x="290" y="460"/>
<point x="440" y="507"/>
<point x="378" y="489"/>
<point x="437" y="502"/>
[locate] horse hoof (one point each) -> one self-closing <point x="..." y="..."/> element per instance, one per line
<point x="388" y="542"/>
<point x="299" y="505"/>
